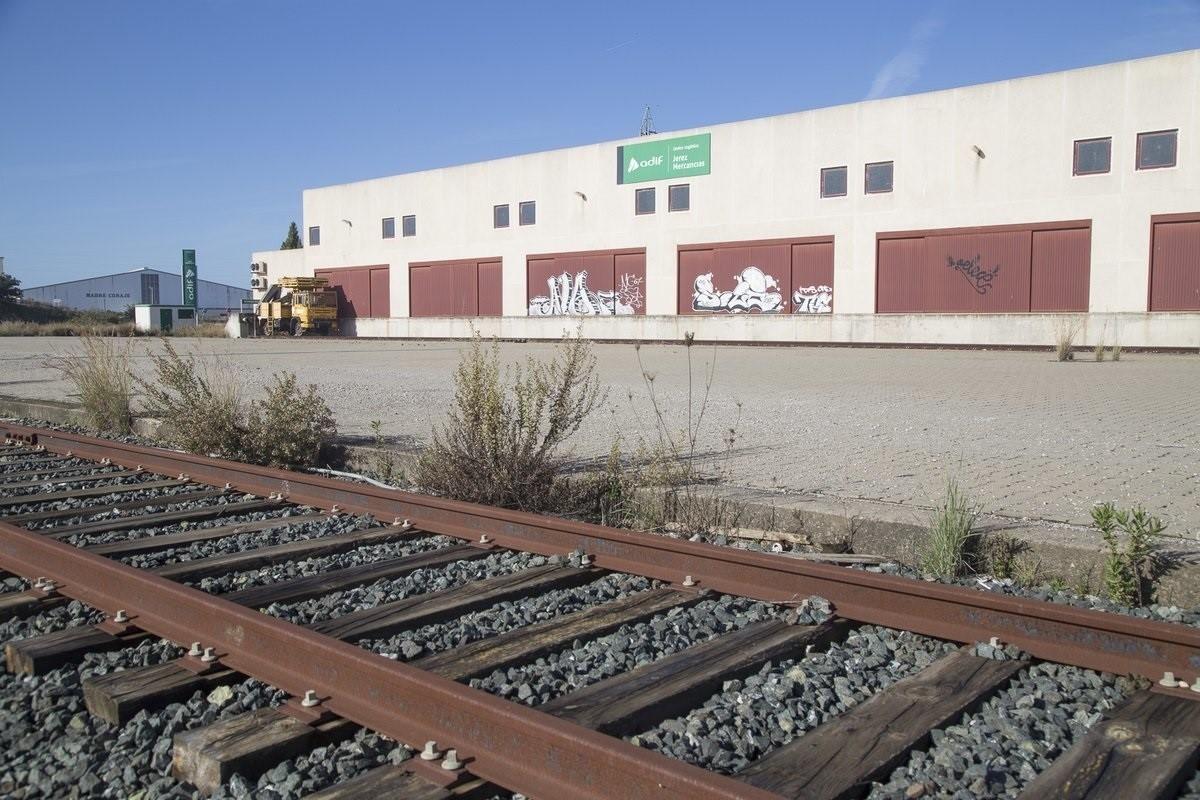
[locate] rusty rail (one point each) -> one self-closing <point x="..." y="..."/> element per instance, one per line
<point x="1063" y="634"/>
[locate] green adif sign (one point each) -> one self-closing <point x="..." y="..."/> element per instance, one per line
<point x="664" y="158"/>
<point x="189" y="278"/>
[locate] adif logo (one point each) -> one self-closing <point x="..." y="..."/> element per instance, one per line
<point x="634" y="164"/>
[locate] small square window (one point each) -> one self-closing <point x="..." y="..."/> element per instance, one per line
<point x="389" y="227"/>
<point x="679" y="198"/>
<point x="500" y="216"/>
<point x="1156" y="150"/>
<point x="833" y="182"/>
<point x="408" y="225"/>
<point x="527" y="212"/>
<point x="643" y="201"/>
<point x="1093" y="156"/>
<point x="879" y="177"/>
<point x="314" y="236"/>
<point x="187" y="313"/>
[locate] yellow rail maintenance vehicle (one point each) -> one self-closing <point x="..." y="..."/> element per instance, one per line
<point x="298" y="306"/>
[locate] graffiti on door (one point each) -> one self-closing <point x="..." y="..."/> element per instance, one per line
<point x="972" y="269"/>
<point x="813" y="300"/>
<point x="568" y="294"/>
<point x="753" y="290"/>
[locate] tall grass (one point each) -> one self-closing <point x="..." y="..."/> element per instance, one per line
<point x="101" y="379"/>
<point x="1065" y="334"/>
<point x="952" y="538"/>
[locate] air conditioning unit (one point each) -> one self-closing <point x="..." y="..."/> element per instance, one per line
<point x="259" y="267"/>
<point x="257" y="282"/>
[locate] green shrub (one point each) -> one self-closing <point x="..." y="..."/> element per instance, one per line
<point x="500" y="443"/>
<point x="952" y="538"/>
<point x="102" y="381"/>
<point x="1129" y="566"/>
<point x="288" y="426"/>
<point x="199" y="406"/>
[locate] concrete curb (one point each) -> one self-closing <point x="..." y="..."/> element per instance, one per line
<point x="1047" y="550"/>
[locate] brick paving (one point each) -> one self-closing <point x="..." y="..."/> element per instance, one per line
<point x="1027" y="436"/>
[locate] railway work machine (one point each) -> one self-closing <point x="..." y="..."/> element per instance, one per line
<point x="298" y="306"/>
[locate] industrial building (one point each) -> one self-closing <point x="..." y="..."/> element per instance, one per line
<point x="143" y="286"/>
<point x="989" y="214"/>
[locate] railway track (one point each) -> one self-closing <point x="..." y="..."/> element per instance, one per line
<point x="273" y="623"/>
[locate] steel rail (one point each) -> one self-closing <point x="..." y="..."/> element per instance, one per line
<point x="516" y="747"/>
<point x="1064" y="634"/>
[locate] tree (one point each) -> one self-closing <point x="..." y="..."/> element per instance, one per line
<point x="292" y="240"/>
<point x="10" y="290"/>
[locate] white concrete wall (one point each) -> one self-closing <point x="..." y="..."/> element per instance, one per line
<point x="765" y="183"/>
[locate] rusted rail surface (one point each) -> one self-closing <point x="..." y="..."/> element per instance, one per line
<point x="508" y="744"/>
<point x="1063" y="634"/>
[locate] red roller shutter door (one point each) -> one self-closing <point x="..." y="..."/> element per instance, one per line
<point x="362" y="291"/>
<point x="469" y="288"/>
<point x="997" y="270"/>
<point x="777" y="276"/>
<point x="1175" y="263"/>
<point x="593" y="283"/>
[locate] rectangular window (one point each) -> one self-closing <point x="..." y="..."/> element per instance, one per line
<point x="1157" y="149"/>
<point x="500" y="216"/>
<point x="314" y="236"/>
<point x="833" y="182"/>
<point x="187" y="313"/>
<point x="879" y="177"/>
<point x="1093" y="156"/>
<point x="527" y="212"/>
<point x="408" y="225"/>
<point x="389" y="227"/>
<point x="679" y="198"/>
<point x="643" y="201"/>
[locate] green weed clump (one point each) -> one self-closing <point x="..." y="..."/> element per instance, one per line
<point x="501" y="443"/>
<point x="101" y="379"/>
<point x="952" y="536"/>
<point x="1129" y="565"/>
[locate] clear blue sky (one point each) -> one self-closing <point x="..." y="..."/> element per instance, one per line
<point x="130" y="130"/>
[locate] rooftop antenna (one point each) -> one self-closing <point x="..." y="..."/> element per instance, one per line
<point x="647" y="124"/>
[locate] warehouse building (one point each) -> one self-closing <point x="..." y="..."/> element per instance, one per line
<point x="119" y="291"/>
<point x="989" y="214"/>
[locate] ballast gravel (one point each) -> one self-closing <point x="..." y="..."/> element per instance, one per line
<point x="505" y="616"/>
<point x="91" y="506"/>
<point x="996" y="751"/>
<point x="66" y="485"/>
<point x="631" y="646"/>
<point x="421" y="581"/>
<point x="1007" y="586"/>
<point x="290" y="570"/>
<point x="243" y="542"/>
<point x="95" y="512"/>
<point x="749" y="717"/>
<point x="106" y="537"/>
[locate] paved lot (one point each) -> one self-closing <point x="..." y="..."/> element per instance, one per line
<point x="1029" y="437"/>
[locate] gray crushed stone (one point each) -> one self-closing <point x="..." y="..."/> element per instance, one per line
<point x="505" y="616"/>
<point x="421" y="581"/>
<point x="290" y="570"/>
<point x="59" y="484"/>
<point x="94" y="505"/>
<point x="319" y="768"/>
<point x="55" y="619"/>
<point x="105" y="537"/>
<point x="1007" y="586"/>
<point x="1192" y="790"/>
<point x="631" y="646"/>
<point x="749" y="717"/>
<point x="102" y="509"/>
<point x="242" y="542"/>
<point x="51" y="747"/>
<point x="996" y="751"/>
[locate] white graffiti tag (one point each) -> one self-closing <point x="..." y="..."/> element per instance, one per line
<point x="813" y="300"/>
<point x="752" y="291"/>
<point x="569" y="295"/>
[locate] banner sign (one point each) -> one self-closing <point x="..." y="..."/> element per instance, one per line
<point x="189" y="278"/>
<point x="663" y="159"/>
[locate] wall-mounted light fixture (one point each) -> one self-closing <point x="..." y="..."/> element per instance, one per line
<point x="582" y="195"/>
<point x="978" y="151"/>
<point x="348" y="222"/>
